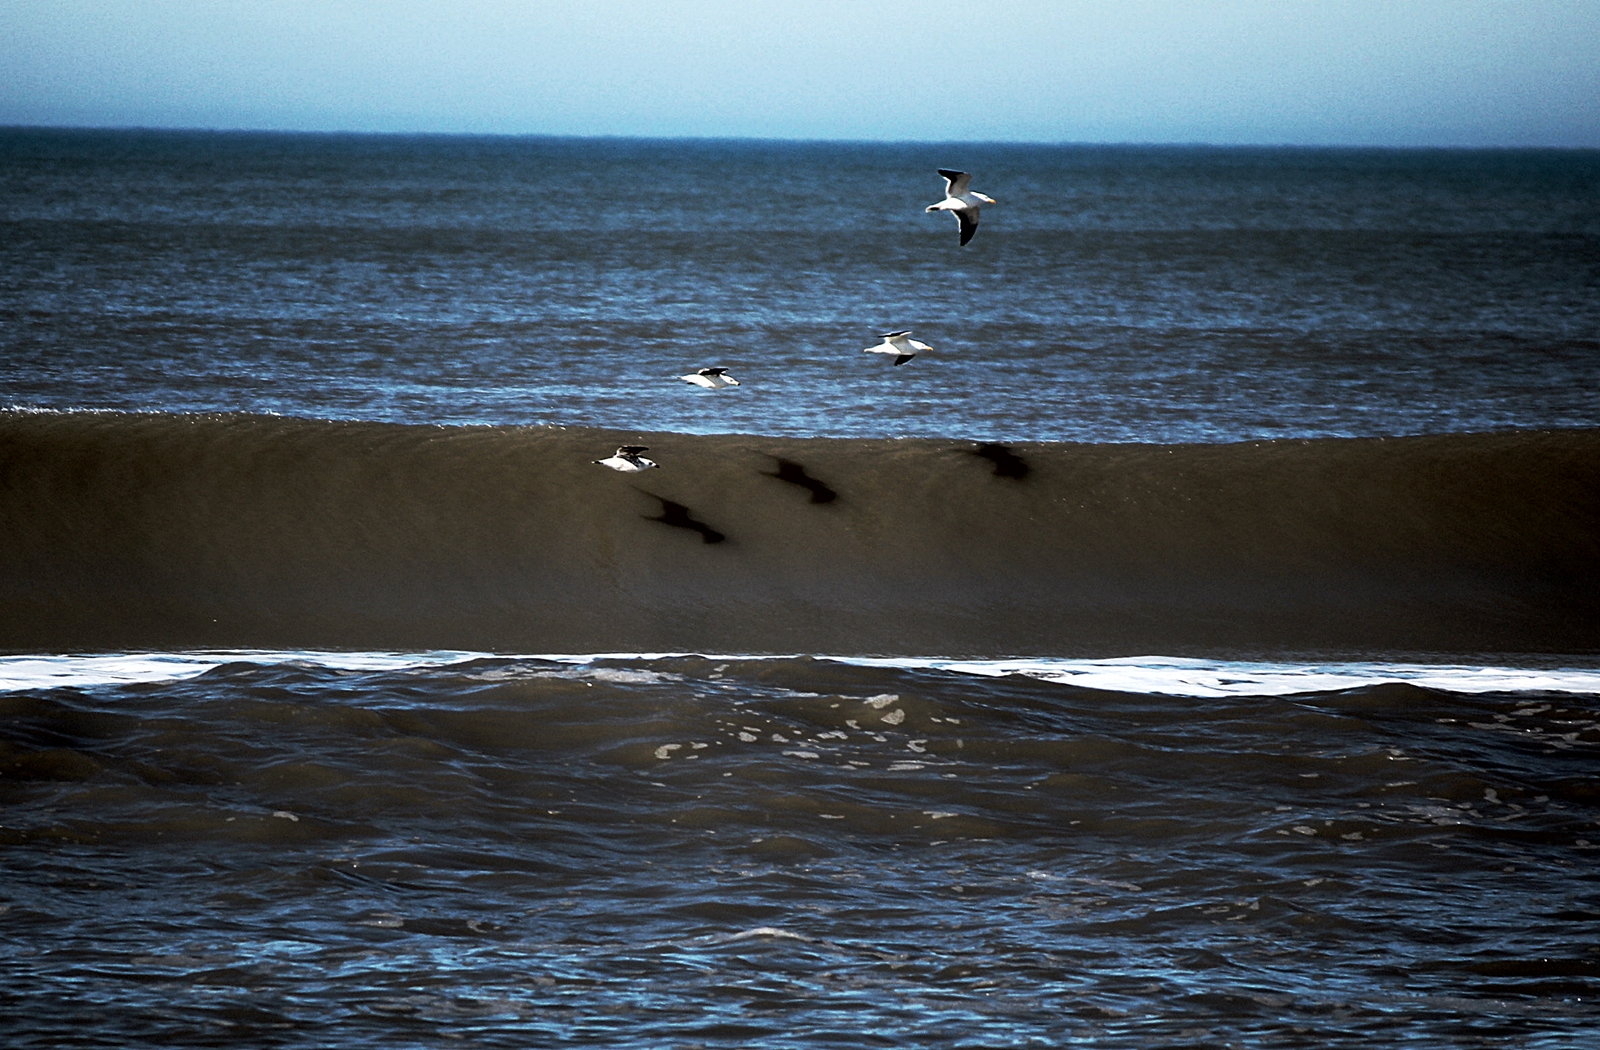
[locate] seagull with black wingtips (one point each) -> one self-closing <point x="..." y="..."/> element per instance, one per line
<point x="900" y="344"/>
<point x="711" y="378"/>
<point x="628" y="460"/>
<point x="961" y="201"/>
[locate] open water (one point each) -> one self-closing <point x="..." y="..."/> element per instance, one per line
<point x="1199" y="647"/>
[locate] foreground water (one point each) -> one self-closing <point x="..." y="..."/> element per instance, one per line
<point x="303" y="849"/>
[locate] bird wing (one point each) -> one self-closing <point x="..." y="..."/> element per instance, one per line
<point x="903" y="358"/>
<point x="632" y="450"/>
<point x="894" y="335"/>
<point x="968" y="218"/>
<point x="956" y="182"/>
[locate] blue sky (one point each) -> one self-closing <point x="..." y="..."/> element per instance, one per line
<point x="1338" y="72"/>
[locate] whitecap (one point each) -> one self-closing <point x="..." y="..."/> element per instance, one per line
<point x="1161" y="675"/>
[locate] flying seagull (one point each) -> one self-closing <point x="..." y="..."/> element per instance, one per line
<point x="961" y="201"/>
<point x="628" y="459"/>
<point x="711" y="378"/>
<point x="899" y="343"/>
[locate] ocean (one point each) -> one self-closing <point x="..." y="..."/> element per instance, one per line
<point x="1198" y="646"/>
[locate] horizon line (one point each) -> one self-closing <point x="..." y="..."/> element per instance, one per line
<point x="776" y="139"/>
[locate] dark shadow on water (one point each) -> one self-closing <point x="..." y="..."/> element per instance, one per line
<point x="792" y="472"/>
<point x="1007" y="464"/>
<point x="678" y="516"/>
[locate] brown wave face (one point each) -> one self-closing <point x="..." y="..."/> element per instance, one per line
<point x="162" y="531"/>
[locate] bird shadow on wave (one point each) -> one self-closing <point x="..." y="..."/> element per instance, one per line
<point x="678" y="516"/>
<point x="792" y="472"/>
<point x="1007" y="464"/>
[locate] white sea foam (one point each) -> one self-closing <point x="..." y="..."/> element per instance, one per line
<point x="1175" y="676"/>
<point x="86" y="670"/>
<point x="627" y="676"/>
<point x="1171" y="676"/>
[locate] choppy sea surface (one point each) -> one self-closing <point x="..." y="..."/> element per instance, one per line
<point x="840" y="831"/>
<point x="306" y="849"/>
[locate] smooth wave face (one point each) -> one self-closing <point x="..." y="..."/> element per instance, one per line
<point x="390" y="850"/>
<point x="175" y="532"/>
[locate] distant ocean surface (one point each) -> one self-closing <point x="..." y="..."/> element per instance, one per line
<point x="1200" y="646"/>
<point x="1114" y="294"/>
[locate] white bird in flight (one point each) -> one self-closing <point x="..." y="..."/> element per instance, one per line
<point x="711" y="378"/>
<point x="628" y="459"/>
<point x="961" y="201"/>
<point x="899" y="343"/>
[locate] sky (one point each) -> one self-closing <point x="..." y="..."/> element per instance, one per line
<point x="1309" y="72"/>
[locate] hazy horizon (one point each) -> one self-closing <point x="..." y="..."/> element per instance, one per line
<point x="1357" y="73"/>
<point x="1153" y="145"/>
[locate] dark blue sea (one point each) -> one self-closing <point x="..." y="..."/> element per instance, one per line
<point x="1114" y="294"/>
<point x="1199" y="646"/>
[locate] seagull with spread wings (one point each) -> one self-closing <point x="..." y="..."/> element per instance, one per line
<point x="628" y="459"/>
<point x="961" y="201"/>
<point x="711" y="378"/>
<point x="900" y="344"/>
